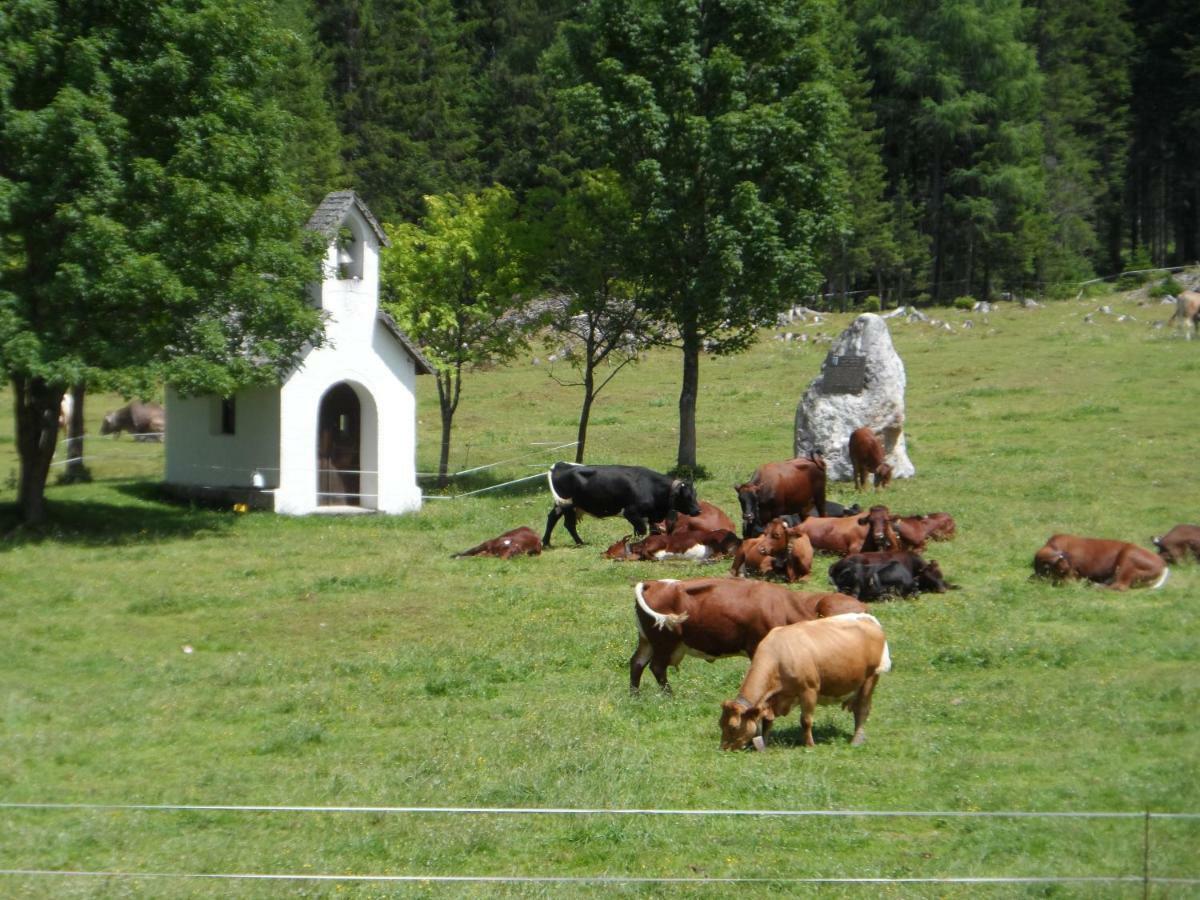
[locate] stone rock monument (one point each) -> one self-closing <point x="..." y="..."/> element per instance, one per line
<point x="861" y="383"/>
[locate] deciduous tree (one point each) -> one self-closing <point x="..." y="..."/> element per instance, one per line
<point x="456" y="282"/>
<point x="147" y="216"/>
<point x="721" y="115"/>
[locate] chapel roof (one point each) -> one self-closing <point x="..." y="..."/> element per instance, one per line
<point x="329" y="216"/>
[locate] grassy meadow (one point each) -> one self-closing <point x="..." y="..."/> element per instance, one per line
<point x="350" y="662"/>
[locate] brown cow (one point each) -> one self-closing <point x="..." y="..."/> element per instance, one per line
<point x="840" y="535"/>
<point x="716" y="617"/>
<point x="1187" y="310"/>
<point x="711" y="518"/>
<point x="694" y="545"/>
<point x="145" y="421"/>
<point x="512" y="543"/>
<point x="1178" y="543"/>
<point x="799" y="556"/>
<point x="762" y="555"/>
<point x="880" y="534"/>
<point x="866" y="455"/>
<point x="780" y="488"/>
<point x="1114" y="564"/>
<point x="834" y="660"/>
<point x="914" y="531"/>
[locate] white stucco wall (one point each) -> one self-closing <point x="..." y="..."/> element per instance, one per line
<point x="197" y="454"/>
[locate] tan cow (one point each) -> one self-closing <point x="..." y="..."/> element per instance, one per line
<point x="834" y="660"/>
<point x="1187" y="310"/>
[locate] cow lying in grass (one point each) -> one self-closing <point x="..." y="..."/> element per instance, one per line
<point x="778" y="551"/>
<point x="693" y="545"/>
<point x="517" y="542"/>
<point x="1113" y="564"/>
<point x="834" y="660"/>
<point x="1179" y="543"/>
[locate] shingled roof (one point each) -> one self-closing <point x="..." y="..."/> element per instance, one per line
<point x="330" y="215"/>
<point x="423" y="365"/>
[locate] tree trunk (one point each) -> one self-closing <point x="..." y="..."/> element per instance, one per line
<point x="589" y="396"/>
<point x="447" y="420"/>
<point x="687" y="397"/>
<point x="36" y="406"/>
<point x="76" y="472"/>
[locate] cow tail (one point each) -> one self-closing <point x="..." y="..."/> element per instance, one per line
<point x="661" y="621"/>
<point x="885" y="660"/>
<point x="1162" y="579"/>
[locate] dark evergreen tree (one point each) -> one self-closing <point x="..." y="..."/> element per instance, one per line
<point x="1084" y="51"/>
<point x="958" y="95"/>
<point x="402" y="89"/>
<point x="514" y="112"/>
<point x="1164" y="174"/>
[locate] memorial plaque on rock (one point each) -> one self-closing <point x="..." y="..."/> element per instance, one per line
<point x="845" y="374"/>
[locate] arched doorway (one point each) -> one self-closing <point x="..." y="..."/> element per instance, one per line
<point x="339" y="439"/>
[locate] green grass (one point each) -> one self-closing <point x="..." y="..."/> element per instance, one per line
<point x="351" y="662"/>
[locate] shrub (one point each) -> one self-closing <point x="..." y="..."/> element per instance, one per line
<point x="1167" y="287"/>
<point x="872" y="304"/>
<point x="965" y="302"/>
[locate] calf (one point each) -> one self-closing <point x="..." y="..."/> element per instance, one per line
<point x="710" y="518"/>
<point x="694" y="545"/>
<point x="915" y="531"/>
<point x="1114" y="564"/>
<point x="867" y="456"/>
<point x="716" y="617"/>
<point x="640" y="495"/>
<point x="870" y="576"/>
<point x="517" y="542"/>
<point x="1187" y="311"/>
<point x="1178" y="543"/>
<point x="833" y="660"/>
<point x="840" y="535"/>
<point x="145" y="421"/>
<point x="880" y="535"/>
<point x="762" y="555"/>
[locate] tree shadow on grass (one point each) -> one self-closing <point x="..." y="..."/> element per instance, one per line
<point x="153" y="517"/>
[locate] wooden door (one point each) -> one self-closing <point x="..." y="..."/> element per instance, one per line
<point x="339" y="431"/>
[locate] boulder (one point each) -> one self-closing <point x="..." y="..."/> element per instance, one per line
<point x="862" y="382"/>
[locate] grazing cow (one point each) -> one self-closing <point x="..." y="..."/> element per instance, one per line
<point x="914" y="531"/>
<point x="1114" y="564"/>
<point x="870" y="576"/>
<point x="834" y="660"/>
<point x="716" y="617"/>
<point x="641" y="495"/>
<point x="517" y="542"/>
<point x="867" y="456"/>
<point x="880" y="535"/>
<point x="1178" y="543"/>
<point x="711" y="518"/>
<point x="842" y="535"/>
<point x="145" y="421"/>
<point x="693" y="545"/>
<point x="1187" y="310"/>
<point x="779" y="488"/>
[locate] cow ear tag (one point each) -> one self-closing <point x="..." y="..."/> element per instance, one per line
<point x="759" y="743"/>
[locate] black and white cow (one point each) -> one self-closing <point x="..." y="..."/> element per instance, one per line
<point x="640" y="495"/>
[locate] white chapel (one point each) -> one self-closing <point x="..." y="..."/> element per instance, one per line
<point x="339" y="434"/>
